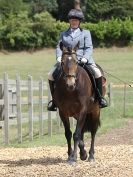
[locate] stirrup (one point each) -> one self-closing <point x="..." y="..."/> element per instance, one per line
<point x="52" y="107"/>
<point x="103" y="103"/>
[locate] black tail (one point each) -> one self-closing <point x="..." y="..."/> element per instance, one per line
<point x="91" y="124"/>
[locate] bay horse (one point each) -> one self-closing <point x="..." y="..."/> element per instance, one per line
<point x="74" y="97"/>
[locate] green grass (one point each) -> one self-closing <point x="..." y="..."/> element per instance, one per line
<point x="115" y="61"/>
<point x="36" y="64"/>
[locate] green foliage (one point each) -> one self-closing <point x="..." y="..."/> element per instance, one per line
<point x="127" y="32"/>
<point x="19" y="32"/>
<point x="8" y="7"/>
<point x="42" y="6"/>
<point x="44" y="27"/>
<point x="112" y="32"/>
<point x="105" y="10"/>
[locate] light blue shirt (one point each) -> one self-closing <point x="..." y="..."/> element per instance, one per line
<point x="70" y="38"/>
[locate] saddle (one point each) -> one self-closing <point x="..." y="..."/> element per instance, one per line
<point x="57" y="72"/>
<point x="90" y="72"/>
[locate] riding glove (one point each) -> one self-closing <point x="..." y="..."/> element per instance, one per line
<point x="59" y="59"/>
<point x="84" y="60"/>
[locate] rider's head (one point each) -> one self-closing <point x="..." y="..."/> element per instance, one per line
<point x="75" y="16"/>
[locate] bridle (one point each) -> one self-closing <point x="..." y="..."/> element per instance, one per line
<point x="68" y="75"/>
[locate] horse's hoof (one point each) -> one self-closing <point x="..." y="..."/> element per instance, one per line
<point x="90" y="159"/>
<point x="83" y="156"/>
<point x="71" y="162"/>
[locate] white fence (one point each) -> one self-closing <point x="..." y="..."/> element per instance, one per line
<point x="126" y="98"/>
<point x="12" y="100"/>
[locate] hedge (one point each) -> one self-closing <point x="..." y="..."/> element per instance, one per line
<point x="19" y="32"/>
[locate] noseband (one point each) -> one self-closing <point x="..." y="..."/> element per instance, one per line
<point x="67" y="75"/>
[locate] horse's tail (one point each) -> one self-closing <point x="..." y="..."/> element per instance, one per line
<point x="91" y="124"/>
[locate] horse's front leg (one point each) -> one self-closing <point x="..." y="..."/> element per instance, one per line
<point x="83" y="153"/>
<point x="77" y="137"/>
<point x="68" y="134"/>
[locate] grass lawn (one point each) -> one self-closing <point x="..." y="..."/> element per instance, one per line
<point x="115" y="61"/>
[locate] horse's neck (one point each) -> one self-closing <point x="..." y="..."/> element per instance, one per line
<point x="82" y="73"/>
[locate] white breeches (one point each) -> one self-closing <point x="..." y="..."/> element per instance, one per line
<point x="50" y="74"/>
<point x="97" y="72"/>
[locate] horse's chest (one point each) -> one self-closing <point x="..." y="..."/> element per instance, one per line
<point x="71" y="106"/>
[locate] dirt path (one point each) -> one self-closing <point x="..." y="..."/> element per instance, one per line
<point x="113" y="158"/>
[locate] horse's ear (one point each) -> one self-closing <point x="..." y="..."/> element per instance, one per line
<point x="61" y="45"/>
<point x="76" y="47"/>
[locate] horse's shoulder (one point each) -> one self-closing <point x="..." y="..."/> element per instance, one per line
<point x="82" y="71"/>
<point x="83" y="74"/>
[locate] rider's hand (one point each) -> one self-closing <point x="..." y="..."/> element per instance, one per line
<point x="84" y="60"/>
<point x="59" y="59"/>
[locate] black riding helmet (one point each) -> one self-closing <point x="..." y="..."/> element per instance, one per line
<point x="75" y="14"/>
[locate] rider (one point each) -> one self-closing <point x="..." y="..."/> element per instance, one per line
<point x="70" y="38"/>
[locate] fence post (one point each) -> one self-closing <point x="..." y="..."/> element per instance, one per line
<point x="6" y="110"/>
<point x="124" y="105"/>
<point x="1" y="97"/>
<point x="30" y="106"/>
<point x="41" y="130"/>
<point x="110" y="94"/>
<point x="49" y="116"/>
<point x="19" y="111"/>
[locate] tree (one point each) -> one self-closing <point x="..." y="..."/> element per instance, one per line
<point x="8" y="7"/>
<point x="64" y="6"/>
<point x="38" y="6"/>
<point x="104" y="10"/>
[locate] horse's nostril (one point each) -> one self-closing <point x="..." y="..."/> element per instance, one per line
<point x="70" y="87"/>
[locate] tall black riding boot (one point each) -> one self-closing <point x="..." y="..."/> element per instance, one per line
<point x="51" y="104"/>
<point x="102" y="101"/>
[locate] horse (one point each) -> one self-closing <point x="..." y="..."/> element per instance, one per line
<point x="74" y="97"/>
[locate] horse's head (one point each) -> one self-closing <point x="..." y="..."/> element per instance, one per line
<point x="69" y="65"/>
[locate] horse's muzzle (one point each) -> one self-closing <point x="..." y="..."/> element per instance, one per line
<point x="71" y="87"/>
<point x="70" y="82"/>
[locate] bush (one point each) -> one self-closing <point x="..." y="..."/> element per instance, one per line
<point x="19" y="32"/>
<point x="112" y="32"/>
<point x="44" y="27"/>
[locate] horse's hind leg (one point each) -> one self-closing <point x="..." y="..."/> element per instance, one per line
<point x="91" y="151"/>
<point x="93" y="129"/>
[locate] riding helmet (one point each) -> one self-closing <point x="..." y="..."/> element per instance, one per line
<point x="76" y="14"/>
